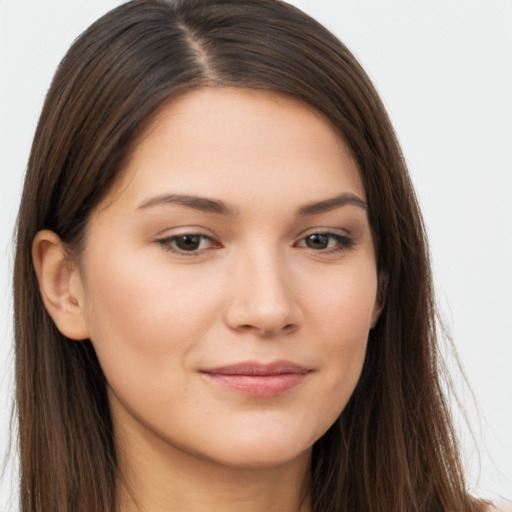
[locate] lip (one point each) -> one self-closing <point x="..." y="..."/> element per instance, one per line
<point x="258" y="379"/>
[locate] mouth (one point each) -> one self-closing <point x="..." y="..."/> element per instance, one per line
<point x="257" y="379"/>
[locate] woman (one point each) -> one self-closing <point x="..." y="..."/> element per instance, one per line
<point x="223" y="297"/>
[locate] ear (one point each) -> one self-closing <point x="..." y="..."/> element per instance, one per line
<point x="60" y="285"/>
<point x="382" y="285"/>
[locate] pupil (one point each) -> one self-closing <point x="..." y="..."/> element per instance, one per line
<point x="188" y="242"/>
<point x="317" y="241"/>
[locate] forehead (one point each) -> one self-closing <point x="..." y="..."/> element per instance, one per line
<point x="238" y="144"/>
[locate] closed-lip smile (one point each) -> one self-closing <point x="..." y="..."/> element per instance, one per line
<point x="258" y="379"/>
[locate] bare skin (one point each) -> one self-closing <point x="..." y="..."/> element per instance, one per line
<point x="228" y="284"/>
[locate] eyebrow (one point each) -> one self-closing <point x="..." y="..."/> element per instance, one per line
<point x="331" y="204"/>
<point x="221" y="208"/>
<point x="197" y="203"/>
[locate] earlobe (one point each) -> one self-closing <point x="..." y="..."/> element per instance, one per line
<point x="60" y="285"/>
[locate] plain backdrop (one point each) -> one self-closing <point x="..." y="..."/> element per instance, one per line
<point x="444" y="71"/>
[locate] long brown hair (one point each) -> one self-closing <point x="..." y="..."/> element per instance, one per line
<point x="393" y="448"/>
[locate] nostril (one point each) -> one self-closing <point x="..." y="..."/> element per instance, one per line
<point x="267" y="332"/>
<point x="285" y="329"/>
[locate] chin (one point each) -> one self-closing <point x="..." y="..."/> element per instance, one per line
<point x="261" y="450"/>
<point x="260" y="457"/>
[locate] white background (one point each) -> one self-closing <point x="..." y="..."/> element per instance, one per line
<point x="444" y="70"/>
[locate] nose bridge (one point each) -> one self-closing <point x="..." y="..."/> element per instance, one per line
<point x="262" y="296"/>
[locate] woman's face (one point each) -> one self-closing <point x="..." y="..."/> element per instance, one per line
<point x="229" y="281"/>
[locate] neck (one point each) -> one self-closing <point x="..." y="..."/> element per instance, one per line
<point x="157" y="477"/>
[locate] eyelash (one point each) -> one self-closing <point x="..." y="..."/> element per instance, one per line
<point x="169" y="244"/>
<point x="342" y="243"/>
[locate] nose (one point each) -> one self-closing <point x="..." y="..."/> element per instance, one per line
<point x="262" y="298"/>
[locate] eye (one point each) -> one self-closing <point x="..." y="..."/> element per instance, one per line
<point x="326" y="242"/>
<point x="187" y="243"/>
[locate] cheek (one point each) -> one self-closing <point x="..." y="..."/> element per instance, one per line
<point x="341" y="320"/>
<point x="342" y="307"/>
<point x="143" y="317"/>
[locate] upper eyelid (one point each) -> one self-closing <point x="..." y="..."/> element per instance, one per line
<point x="188" y="233"/>
<point x="344" y="242"/>
<point x="204" y="232"/>
<point x="168" y="243"/>
<point x="321" y="230"/>
<point x="345" y="237"/>
<point x="171" y="231"/>
<point x="170" y="234"/>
